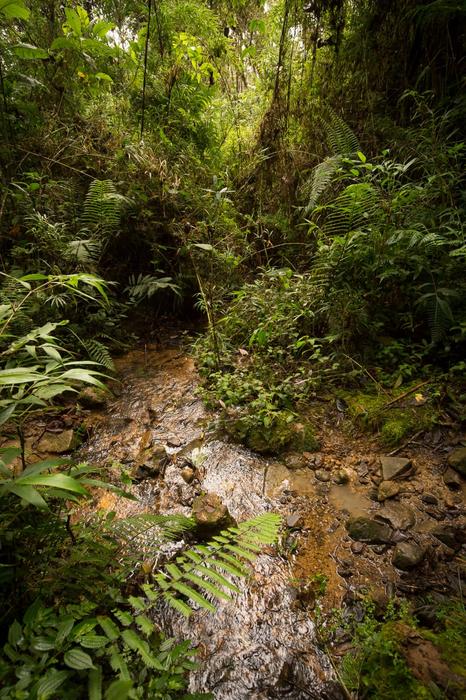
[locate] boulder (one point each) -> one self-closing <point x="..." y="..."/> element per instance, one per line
<point x="394" y="467"/>
<point x="407" y="555"/>
<point x="210" y="514"/>
<point x="457" y="460"/>
<point x="58" y="443"/>
<point x="399" y="516"/>
<point x="387" y="489"/>
<point x="366" y="529"/>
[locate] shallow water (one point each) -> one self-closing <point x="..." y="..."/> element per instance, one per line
<point x="263" y="643"/>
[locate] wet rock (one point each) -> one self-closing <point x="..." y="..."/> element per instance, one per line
<point x="210" y="514"/>
<point x="399" y="516"/>
<point x="188" y="474"/>
<point x="366" y="529"/>
<point x="141" y="472"/>
<point x="452" y="479"/>
<point x="380" y="549"/>
<point x="58" y="443"/>
<point x="93" y="397"/>
<point x="358" y="547"/>
<point x="452" y="536"/>
<point x="296" y="460"/>
<point x="174" y="441"/>
<point x="407" y="555"/>
<point x="457" y="460"/>
<point x="294" y="521"/>
<point x="342" y="476"/>
<point x="430" y="499"/>
<point x="395" y="467"/>
<point x="387" y="489"/>
<point x="322" y="475"/>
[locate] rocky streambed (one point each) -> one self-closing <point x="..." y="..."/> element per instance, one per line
<point x="358" y="522"/>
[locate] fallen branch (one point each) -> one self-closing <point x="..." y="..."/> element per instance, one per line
<point x="405" y="444"/>
<point x="402" y="396"/>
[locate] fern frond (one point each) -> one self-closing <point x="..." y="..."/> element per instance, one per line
<point x="199" y="574"/>
<point x="144" y="533"/>
<point x="355" y="207"/>
<point x="99" y="353"/>
<point x="103" y="207"/>
<point x="341" y="138"/>
<point x="85" y="250"/>
<point x="322" y="177"/>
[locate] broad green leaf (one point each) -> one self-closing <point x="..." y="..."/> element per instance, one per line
<point x="49" y="684"/>
<point x="95" y="683"/>
<point x="62" y="42"/>
<point x="43" y="643"/>
<point x="73" y="20"/>
<point x="203" y="246"/>
<point x="14" y="9"/>
<point x="56" y="481"/>
<point x="15" y="633"/>
<point x="18" y="375"/>
<point x="28" y="494"/>
<point x="93" y="641"/>
<point x="30" y="52"/>
<point x="64" y="629"/>
<point x="78" y="659"/>
<point x="8" y="454"/>
<point x="103" y="76"/>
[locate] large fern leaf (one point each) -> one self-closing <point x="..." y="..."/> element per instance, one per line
<point x="200" y="574"/>
<point x="103" y="207"/>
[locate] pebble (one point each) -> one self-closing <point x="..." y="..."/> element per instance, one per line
<point x="188" y="474"/>
<point x="294" y="520"/>
<point x="430" y="499"/>
<point x="358" y="547"/>
<point x="452" y="479"/>
<point x="322" y="475"/>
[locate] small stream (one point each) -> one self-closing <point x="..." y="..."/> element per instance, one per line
<point x="263" y="643"/>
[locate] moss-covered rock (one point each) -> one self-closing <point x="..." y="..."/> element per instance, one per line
<point x="278" y="432"/>
<point x="395" y="422"/>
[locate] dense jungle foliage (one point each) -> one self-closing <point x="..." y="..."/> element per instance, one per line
<point x="288" y="175"/>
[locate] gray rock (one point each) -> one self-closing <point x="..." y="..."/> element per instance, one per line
<point x="188" y="474"/>
<point x="366" y="529"/>
<point x="294" y="521"/>
<point x="457" y="460"/>
<point x="407" y="555"/>
<point x="296" y="460"/>
<point x="358" y="547"/>
<point x="322" y="475"/>
<point x="394" y="467"/>
<point x="452" y="479"/>
<point x="210" y="514"/>
<point x="387" y="489"/>
<point x="58" y="443"/>
<point x="399" y="516"/>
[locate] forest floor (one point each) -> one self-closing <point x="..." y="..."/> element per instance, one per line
<point x="361" y="524"/>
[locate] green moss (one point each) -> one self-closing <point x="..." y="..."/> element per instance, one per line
<point x="275" y="433"/>
<point x="395" y="423"/>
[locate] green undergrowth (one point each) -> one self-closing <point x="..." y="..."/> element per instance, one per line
<point x="393" y="657"/>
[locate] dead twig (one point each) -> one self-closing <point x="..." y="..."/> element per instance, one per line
<point x="402" y="396"/>
<point x="405" y="444"/>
